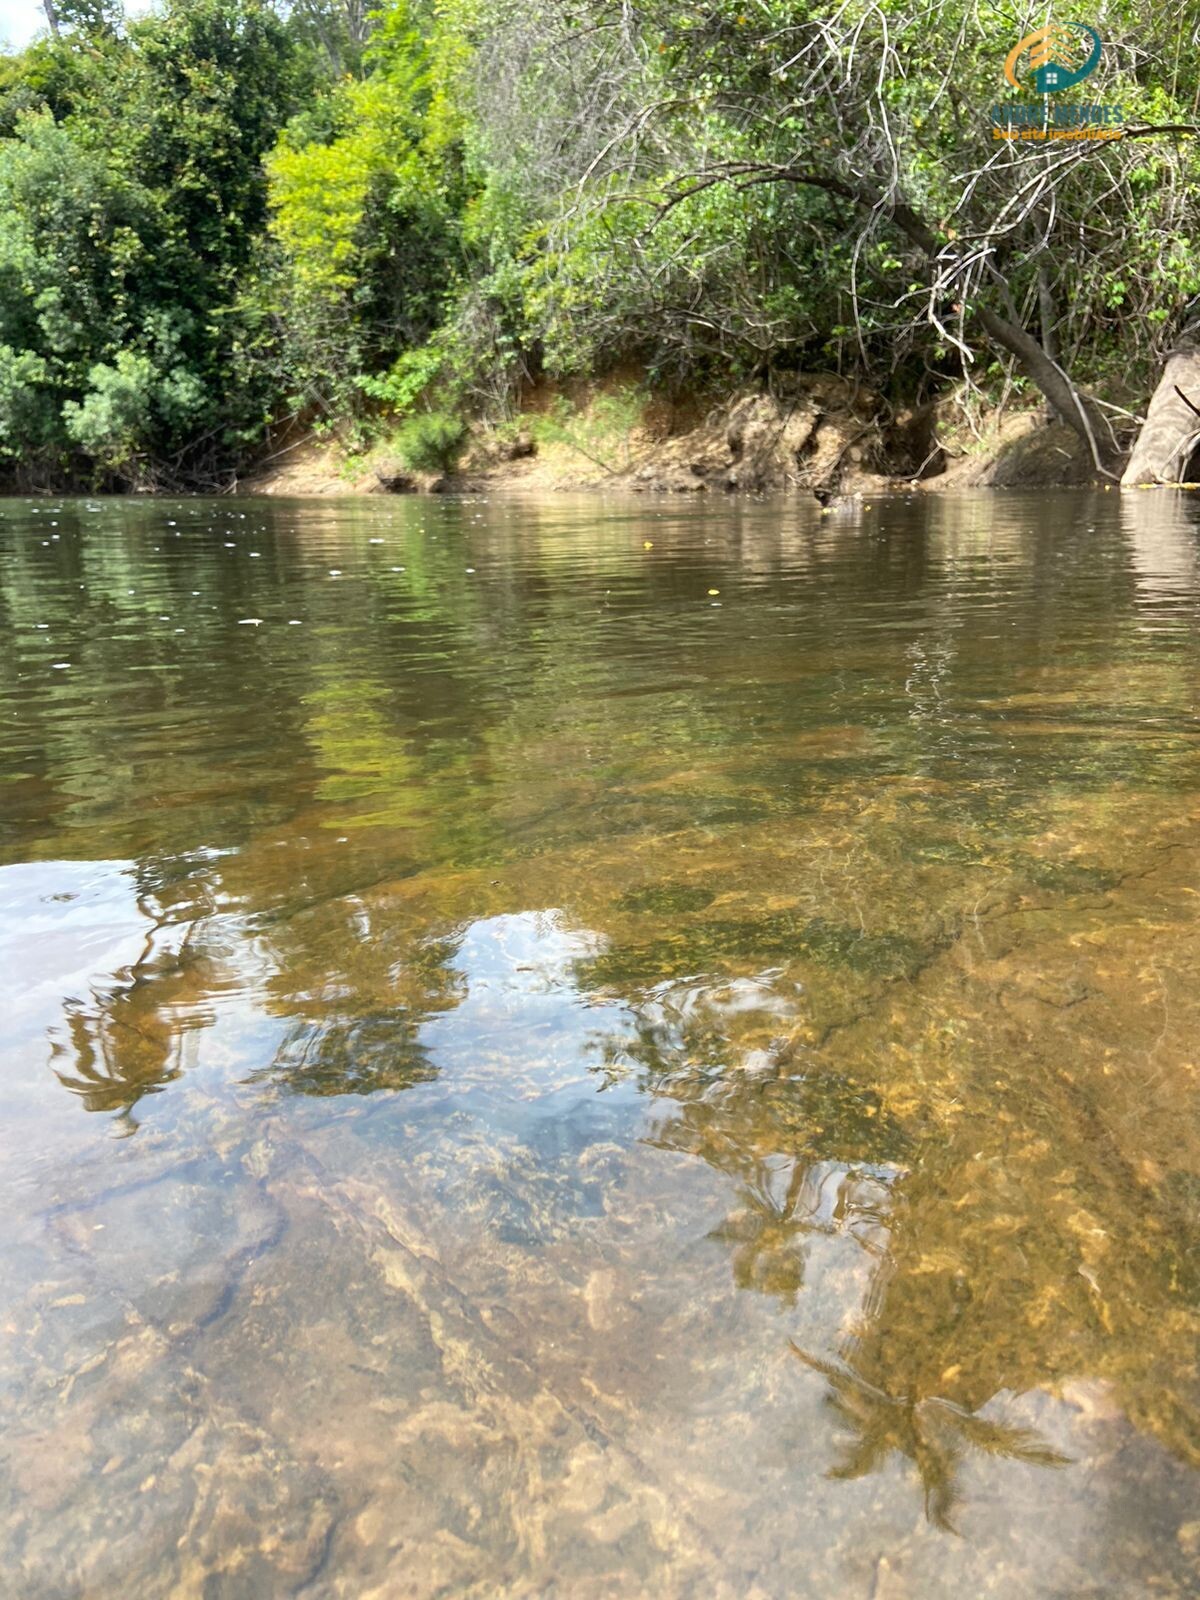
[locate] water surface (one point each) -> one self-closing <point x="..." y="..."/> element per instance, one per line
<point x="598" y="1049"/>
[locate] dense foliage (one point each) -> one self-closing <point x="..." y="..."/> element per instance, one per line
<point x="228" y="216"/>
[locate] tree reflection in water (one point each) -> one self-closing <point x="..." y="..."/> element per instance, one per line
<point x="934" y="1434"/>
<point x="817" y="1155"/>
<point x="811" y="1152"/>
<point x="973" y="1294"/>
<point x="127" y="1039"/>
<point x="351" y="1055"/>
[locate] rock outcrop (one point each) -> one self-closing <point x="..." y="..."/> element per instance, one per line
<point x="823" y="436"/>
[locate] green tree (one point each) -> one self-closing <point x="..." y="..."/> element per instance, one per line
<point x="133" y="191"/>
<point x="367" y="193"/>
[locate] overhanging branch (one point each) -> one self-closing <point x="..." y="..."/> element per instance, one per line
<point x="1045" y="372"/>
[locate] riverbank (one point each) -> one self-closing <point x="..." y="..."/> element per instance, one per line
<point x="827" y="437"/>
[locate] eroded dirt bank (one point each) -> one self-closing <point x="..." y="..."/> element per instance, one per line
<point x="826" y="437"/>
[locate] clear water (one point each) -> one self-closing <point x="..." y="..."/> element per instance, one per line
<point x="599" y="1049"/>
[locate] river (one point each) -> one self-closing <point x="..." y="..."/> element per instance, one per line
<point x="596" y="1048"/>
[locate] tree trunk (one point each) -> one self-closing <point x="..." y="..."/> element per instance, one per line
<point x="1074" y="409"/>
<point x="1031" y="355"/>
<point x="1170" y="437"/>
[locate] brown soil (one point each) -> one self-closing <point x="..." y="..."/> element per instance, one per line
<point x="828" y="437"/>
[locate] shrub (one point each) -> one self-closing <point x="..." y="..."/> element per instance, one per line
<point x="432" y="441"/>
<point x="112" y="422"/>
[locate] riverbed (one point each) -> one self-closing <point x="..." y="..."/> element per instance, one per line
<point x="593" y="1048"/>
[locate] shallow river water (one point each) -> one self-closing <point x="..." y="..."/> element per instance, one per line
<point x="600" y="1049"/>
